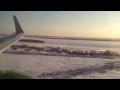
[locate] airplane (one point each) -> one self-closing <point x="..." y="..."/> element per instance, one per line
<point x="7" y="41"/>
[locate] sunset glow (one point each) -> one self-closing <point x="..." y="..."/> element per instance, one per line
<point x="95" y="24"/>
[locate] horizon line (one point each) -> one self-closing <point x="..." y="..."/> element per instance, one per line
<point x="74" y="37"/>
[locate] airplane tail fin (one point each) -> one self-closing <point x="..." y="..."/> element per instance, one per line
<point x="17" y="26"/>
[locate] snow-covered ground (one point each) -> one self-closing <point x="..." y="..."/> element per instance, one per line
<point x="38" y="64"/>
<point x="77" y="44"/>
<point x="109" y="75"/>
<point x="59" y="65"/>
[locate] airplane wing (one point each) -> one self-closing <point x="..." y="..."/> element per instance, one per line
<point x="8" y="40"/>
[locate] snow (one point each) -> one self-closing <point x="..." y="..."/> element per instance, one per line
<point x="40" y="63"/>
<point x="77" y="44"/>
<point x="109" y="75"/>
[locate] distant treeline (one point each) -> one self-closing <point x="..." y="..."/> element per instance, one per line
<point x="75" y="38"/>
<point x="30" y="40"/>
<point x="71" y="38"/>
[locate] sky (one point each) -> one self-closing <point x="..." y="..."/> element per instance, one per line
<point x="91" y="24"/>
